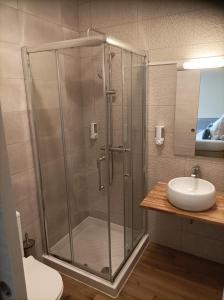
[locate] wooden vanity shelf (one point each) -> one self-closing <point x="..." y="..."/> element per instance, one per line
<point x="157" y="200"/>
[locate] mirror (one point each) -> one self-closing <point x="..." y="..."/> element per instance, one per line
<point x="199" y="117"/>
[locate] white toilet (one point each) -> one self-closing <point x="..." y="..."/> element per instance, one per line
<point x="42" y="282"/>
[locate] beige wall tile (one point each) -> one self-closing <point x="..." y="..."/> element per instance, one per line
<point x="161" y="115"/>
<point x="23" y="184"/>
<point x="45" y="94"/>
<point x="124" y="32"/>
<point x="33" y="229"/>
<point x="10" y="24"/>
<point x="12" y="95"/>
<point x="20" y="157"/>
<point x="48" y="121"/>
<point x="37" y="31"/>
<point x="53" y="173"/>
<point x="47" y="9"/>
<point x="208" y="25"/>
<point x="50" y="148"/>
<point x="12" y="3"/>
<point x="187" y="52"/>
<point x="162" y="82"/>
<point x="212" y="170"/>
<point x="69" y="13"/>
<point x="70" y="34"/>
<point x="171" y="31"/>
<point x="105" y="13"/>
<point x="16" y="127"/>
<point x="203" y="229"/>
<point x="84" y="13"/>
<point x="155" y="9"/>
<point x="43" y="66"/>
<point x="10" y="61"/>
<point x="168" y="168"/>
<point x="165" y="229"/>
<point x="70" y="70"/>
<point x="28" y="208"/>
<point x="166" y="150"/>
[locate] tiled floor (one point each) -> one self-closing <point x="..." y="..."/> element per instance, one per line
<point x="90" y="242"/>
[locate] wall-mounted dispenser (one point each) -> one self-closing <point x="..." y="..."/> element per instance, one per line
<point x="159" y="135"/>
<point x="93" y="131"/>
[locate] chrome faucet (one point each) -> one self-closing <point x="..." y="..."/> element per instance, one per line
<point x="196" y="172"/>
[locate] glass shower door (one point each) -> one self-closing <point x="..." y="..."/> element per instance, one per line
<point x="138" y="147"/>
<point x="85" y="127"/>
<point x="46" y="111"/>
<point x="133" y="67"/>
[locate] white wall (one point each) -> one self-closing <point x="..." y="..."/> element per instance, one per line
<point x="211" y="100"/>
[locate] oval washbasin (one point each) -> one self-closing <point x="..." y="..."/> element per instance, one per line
<point x="192" y="194"/>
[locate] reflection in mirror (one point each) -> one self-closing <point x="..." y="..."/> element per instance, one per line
<point x="210" y="119"/>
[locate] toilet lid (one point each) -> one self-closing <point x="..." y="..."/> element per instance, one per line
<point x="42" y="282"/>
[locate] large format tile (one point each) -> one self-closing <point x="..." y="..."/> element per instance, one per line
<point x="50" y="148"/>
<point x="162" y="82"/>
<point x="171" y="31"/>
<point x="20" y="157"/>
<point x="84" y="13"/>
<point x="187" y="52"/>
<point x="12" y="95"/>
<point x="23" y="184"/>
<point x="10" y="61"/>
<point x="165" y="229"/>
<point x="16" y="126"/>
<point x="208" y="25"/>
<point x="212" y="171"/>
<point x="43" y="66"/>
<point x="10" y="24"/>
<point x="165" y="150"/>
<point x="69" y="13"/>
<point x="161" y="115"/>
<point x="105" y="13"/>
<point x="12" y="3"/>
<point x="37" y="31"/>
<point x="45" y="94"/>
<point x="47" y="9"/>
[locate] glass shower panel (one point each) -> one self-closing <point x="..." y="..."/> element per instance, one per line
<point x="116" y="155"/>
<point x="137" y="132"/>
<point x="45" y="100"/>
<point x="127" y="140"/>
<point x="84" y="111"/>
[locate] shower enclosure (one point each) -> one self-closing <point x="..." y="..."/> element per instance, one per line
<point x="86" y="102"/>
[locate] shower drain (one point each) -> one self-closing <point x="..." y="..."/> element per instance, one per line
<point x="105" y="270"/>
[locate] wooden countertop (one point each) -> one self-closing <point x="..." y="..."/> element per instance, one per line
<point x="157" y="200"/>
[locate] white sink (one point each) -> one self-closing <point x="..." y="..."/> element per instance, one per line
<point x="193" y="194"/>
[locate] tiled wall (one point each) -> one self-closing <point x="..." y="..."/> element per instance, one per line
<point x="168" y="30"/>
<point x="26" y="22"/>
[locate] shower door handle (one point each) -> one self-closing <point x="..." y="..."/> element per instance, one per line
<point x="99" y="160"/>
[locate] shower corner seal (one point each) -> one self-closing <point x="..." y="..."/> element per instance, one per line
<point x="111" y="289"/>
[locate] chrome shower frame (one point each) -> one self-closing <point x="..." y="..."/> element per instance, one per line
<point x="88" y="41"/>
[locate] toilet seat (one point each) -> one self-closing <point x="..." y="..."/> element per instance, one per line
<point x="42" y="282"/>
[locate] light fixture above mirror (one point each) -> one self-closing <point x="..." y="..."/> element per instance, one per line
<point x="204" y="63"/>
